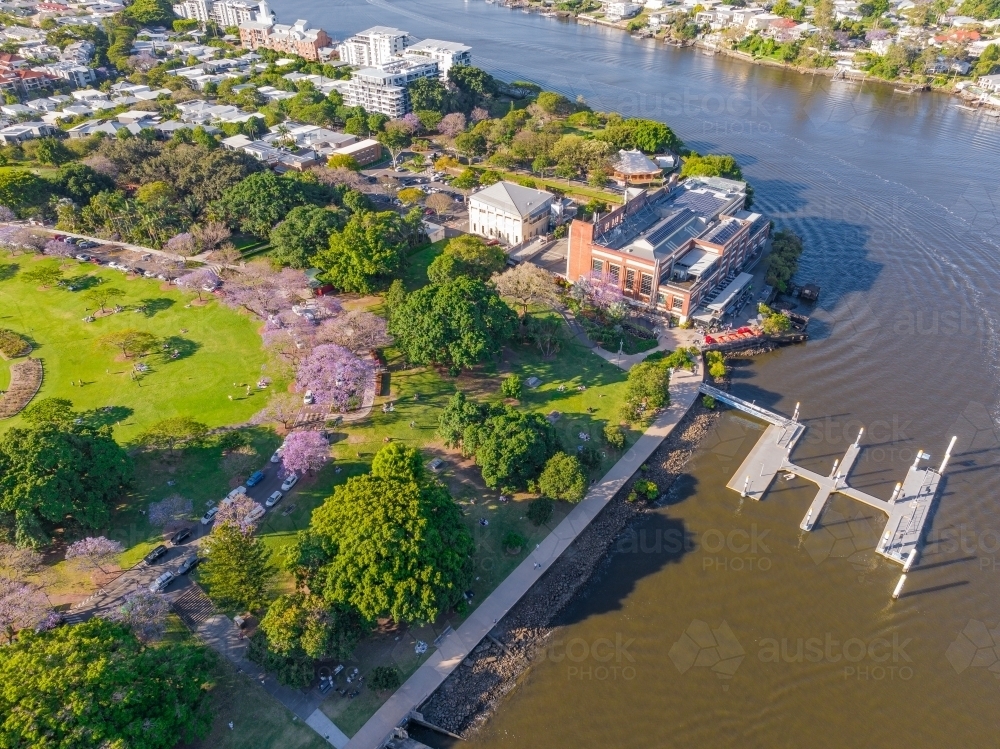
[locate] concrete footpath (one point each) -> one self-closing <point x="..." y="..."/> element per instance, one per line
<point x="460" y="643"/>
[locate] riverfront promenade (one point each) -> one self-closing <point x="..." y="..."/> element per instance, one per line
<point x="457" y="645"/>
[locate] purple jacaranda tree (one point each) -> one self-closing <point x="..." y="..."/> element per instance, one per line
<point x="21" y="606"/>
<point x="143" y="612"/>
<point x="602" y="291"/>
<point x="183" y="244"/>
<point x="479" y="114"/>
<point x="236" y="511"/>
<point x="413" y="121"/>
<point x="96" y="550"/>
<point x="335" y="375"/>
<point x="262" y="291"/>
<point x="59" y="249"/>
<point x="357" y="331"/>
<point x="452" y="124"/>
<point x="304" y="451"/>
<point x="199" y="281"/>
<point x="6" y="214"/>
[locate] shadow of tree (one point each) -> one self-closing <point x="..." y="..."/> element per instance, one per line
<point x="151" y="306"/>
<point x="106" y="416"/>
<point x="83" y="282"/>
<point x="8" y="271"/>
<point x="175" y="347"/>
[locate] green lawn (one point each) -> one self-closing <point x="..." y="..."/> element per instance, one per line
<point x="415" y="271"/>
<point x="218" y="347"/>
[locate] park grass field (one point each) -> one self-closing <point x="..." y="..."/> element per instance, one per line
<point x="217" y="346"/>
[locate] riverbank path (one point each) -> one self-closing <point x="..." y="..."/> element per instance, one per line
<point x="459" y="643"/>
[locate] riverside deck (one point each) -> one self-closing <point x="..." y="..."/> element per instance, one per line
<point x="908" y="509"/>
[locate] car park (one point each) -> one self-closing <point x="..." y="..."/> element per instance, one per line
<point x="274" y="499"/>
<point x="189" y="564"/>
<point x="160" y="584"/>
<point x="289" y="482"/>
<point x="180" y="535"/>
<point x="209" y="516"/>
<point x="155" y="554"/>
<point x="255" y="478"/>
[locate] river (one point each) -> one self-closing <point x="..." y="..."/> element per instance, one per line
<point x="897" y="199"/>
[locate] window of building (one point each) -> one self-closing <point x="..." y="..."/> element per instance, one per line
<point x="597" y="265"/>
<point x="661" y="298"/>
<point x="646" y="284"/>
<point x="678" y="303"/>
<point x="629" y="278"/>
<point x="615" y="272"/>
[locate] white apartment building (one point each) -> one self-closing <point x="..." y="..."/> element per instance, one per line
<point x="383" y="89"/>
<point x="373" y="47"/>
<point x="445" y="54"/>
<point x="224" y="12"/>
<point x="510" y="212"/>
<point x="198" y="10"/>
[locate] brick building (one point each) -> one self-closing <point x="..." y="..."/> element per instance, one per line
<point x="676" y="251"/>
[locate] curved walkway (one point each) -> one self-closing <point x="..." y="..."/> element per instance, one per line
<point x="458" y="644"/>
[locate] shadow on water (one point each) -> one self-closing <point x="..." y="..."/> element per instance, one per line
<point x="640" y="551"/>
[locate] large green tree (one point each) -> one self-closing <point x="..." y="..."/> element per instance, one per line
<point x="466" y="255"/>
<point x="648" y="136"/>
<point x="95" y="686"/>
<point x="510" y="446"/>
<point x="260" y="201"/>
<point x="80" y="183"/>
<point x="150" y="11"/>
<point x="304" y="231"/>
<point x="456" y="324"/>
<point x="395" y="547"/>
<point x="647" y="389"/>
<point x="711" y="165"/>
<point x="428" y="94"/>
<point x="366" y="254"/>
<point x="237" y="567"/>
<point x="302" y="623"/>
<point x="49" y="473"/>
<point x="20" y="189"/>
<point x="563" y="478"/>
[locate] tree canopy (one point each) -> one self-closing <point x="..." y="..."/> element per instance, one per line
<point x="711" y="165"/>
<point x="648" y="136"/>
<point x="563" y="478"/>
<point x="94" y="685"/>
<point x="366" y="253"/>
<point x="236" y="570"/>
<point x="647" y="389"/>
<point x="389" y="545"/>
<point x="466" y="255"/>
<point x="510" y="446"/>
<point x="260" y="201"/>
<point x="304" y="624"/>
<point x="50" y="472"/>
<point x="304" y="231"/>
<point x="456" y="324"/>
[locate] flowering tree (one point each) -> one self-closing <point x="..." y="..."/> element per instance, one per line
<point x="452" y="124"/>
<point x="260" y="290"/>
<point x="304" y="451"/>
<point x="173" y="509"/>
<point x="182" y="244"/>
<point x="97" y="550"/>
<point x="356" y="331"/>
<point x="6" y="214"/>
<point x="283" y="408"/>
<point x="335" y="376"/>
<point x="21" y="606"/>
<point x="197" y="280"/>
<point x="602" y="291"/>
<point x="143" y="612"/>
<point x="61" y="249"/>
<point x="16" y="563"/>
<point x="210" y="235"/>
<point x="236" y="512"/>
<point x="413" y="121"/>
<point x="479" y="114"/>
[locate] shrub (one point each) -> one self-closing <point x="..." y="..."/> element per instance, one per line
<point x="510" y="387"/>
<point x="385" y="678"/>
<point x="513" y="540"/>
<point x="716" y="364"/>
<point x="12" y="345"/>
<point x="614" y="435"/>
<point x="540" y="510"/>
<point x="292" y="670"/>
<point x="645" y="488"/>
<point x="708" y="401"/>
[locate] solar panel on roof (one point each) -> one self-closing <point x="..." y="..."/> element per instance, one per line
<point x="725" y="232"/>
<point x="658" y="235"/>
<point x="702" y="203"/>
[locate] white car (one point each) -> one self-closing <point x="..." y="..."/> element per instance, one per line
<point x="274" y="499"/>
<point x="254" y="515"/>
<point x="236" y="492"/>
<point x="308" y="398"/>
<point x="276" y="458"/>
<point x="209" y="516"/>
<point x="289" y="482"/>
<point x="160" y="584"/>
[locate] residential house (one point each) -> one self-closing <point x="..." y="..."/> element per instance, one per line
<point x="14" y="134"/>
<point x="635" y="168"/>
<point x="510" y="212"/>
<point x="294" y="39"/>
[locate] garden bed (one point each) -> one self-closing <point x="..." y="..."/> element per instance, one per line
<point x="25" y="380"/>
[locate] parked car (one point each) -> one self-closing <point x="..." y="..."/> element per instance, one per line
<point x="148" y="274"/>
<point x="236" y="492"/>
<point x="276" y="458"/>
<point x="289" y="482"/>
<point x="255" y="478"/>
<point x="254" y="515"/>
<point x="180" y="535"/>
<point x="83" y="257"/>
<point x="189" y="564"/>
<point x="160" y="584"/>
<point x="155" y="554"/>
<point x="274" y="499"/>
<point x="209" y="516"/>
<point x="308" y="399"/>
<point x="86" y="244"/>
